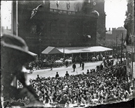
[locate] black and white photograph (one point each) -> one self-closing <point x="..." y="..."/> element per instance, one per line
<point x="67" y="54"/>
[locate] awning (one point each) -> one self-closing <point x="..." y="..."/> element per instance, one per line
<point x="71" y="50"/>
<point x="99" y="49"/>
<point x="51" y="50"/>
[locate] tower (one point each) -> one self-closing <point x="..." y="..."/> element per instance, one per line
<point x="101" y="29"/>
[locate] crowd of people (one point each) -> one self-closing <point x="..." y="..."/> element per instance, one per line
<point x="105" y="84"/>
<point x="51" y="61"/>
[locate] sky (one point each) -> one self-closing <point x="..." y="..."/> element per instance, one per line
<point x="115" y="13"/>
<point x="6" y="14"/>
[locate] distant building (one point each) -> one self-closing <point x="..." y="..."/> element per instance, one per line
<point x="117" y="34"/>
<point x="109" y="40"/>
<point x="114" y="37"/>
<point x="61" y="23"/>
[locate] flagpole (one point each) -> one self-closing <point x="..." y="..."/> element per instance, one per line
<point x="15" y="27"/>
<point x="15" y="80"/>
<point x="121" y="47"/>
<point x="16" y="17"/>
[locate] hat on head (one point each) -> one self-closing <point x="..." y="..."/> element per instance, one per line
<point x="17" y="46"/>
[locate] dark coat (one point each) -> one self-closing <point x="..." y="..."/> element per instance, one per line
<point x="74" y="66"/>
<point x="82" y="64"/>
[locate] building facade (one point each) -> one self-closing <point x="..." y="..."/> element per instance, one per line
<point x="101" y="29"/>
<point x="129" y="22"/>
<point x="130" y="26"/>
<point x="60" y="24"/>
<point x="109" y="40"/>
<point x="115" y="37"/>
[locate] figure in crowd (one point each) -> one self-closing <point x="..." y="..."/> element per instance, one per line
<point x="66" y="63"/>
<point x="97" y="57"/>
<point x="67" y="74"/>
<point x="97" y="68"/>
<point x="51" y="65"/>
<point x="83" y="88"/>
<point x="63" y="101"/>
<point x="57" y="75"/>
<point x="80" y="60"/>
<point x="88" y="71"/>
<point x="82" y="65"/>
<point x="38" y="78"/>
<point x="14" y="55"/>
<point x="74" y="67"/>
<point x="101" y="66"/>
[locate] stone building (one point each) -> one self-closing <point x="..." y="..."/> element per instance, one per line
<point x="129" y="22"/>
<point x="114" y="37"/>
<point x="109" y="40"/>
<point x="60" y="23"/>
<point x="101" y="29"/>
<point x="130" y="26"/>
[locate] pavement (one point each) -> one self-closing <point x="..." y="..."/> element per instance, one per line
<point x="62" y="70"/>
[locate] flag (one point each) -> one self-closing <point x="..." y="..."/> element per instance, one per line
<point x="34" y="11"/>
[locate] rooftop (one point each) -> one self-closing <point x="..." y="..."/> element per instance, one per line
<point x="121" y="28"/>
<point x="109" y="32"/>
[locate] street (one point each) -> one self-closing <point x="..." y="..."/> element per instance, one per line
<point x="62" y="70"/>
<point x="43" y="43"/>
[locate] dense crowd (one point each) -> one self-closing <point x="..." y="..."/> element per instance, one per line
<point x="54" y="61"/>
<point x="107" y="83"/>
